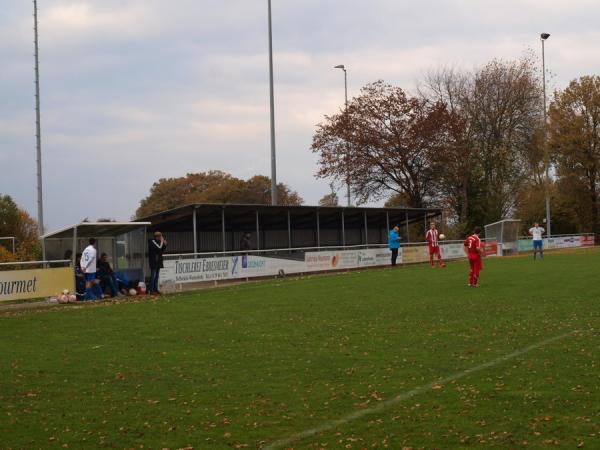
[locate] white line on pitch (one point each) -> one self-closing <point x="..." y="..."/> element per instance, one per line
<point x="406" y="395"/>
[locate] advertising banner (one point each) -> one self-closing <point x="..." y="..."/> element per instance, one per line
<point x="411" y="255"/>
<point x="200" y="270"/>
<point x="525" y="245"/>
<point x="317" y="261"/>
<point x="377" y="257"/>
<point x="587" y="241"/>
<point x="490" y="248"/>
<point x="452" y="251"/>
<point x="35" y="283"/>
<point x="562" y="242"/>
<point x="259" y="266"/>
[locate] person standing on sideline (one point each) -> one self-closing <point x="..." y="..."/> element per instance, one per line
<point x="156" y="248"/>
<point x="432" y="237"/>
<point x="245" y="242"/>
<point x="88" y="267"/>
<point x="473" y="250"/>
<point x="536" y="232"/>
<point x="394" y="243"/>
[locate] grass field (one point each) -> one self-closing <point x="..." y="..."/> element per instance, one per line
<point x="403" y="358"/>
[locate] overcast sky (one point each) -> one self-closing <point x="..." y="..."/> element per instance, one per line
<point x="136" y="90"/>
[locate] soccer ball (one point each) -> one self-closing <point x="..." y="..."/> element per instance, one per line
<point x="132" y="292"/>
<point x="442" y="236"/>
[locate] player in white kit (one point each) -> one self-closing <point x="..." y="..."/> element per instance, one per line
<point x="536" y="232"/>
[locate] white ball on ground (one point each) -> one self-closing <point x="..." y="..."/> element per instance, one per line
<point x="132" y="292"/>
<point x="442" y="236"/>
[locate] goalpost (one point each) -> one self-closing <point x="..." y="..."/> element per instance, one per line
<point x="506" y="233"/>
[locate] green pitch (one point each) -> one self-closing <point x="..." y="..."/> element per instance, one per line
<point x="386" y="358"/>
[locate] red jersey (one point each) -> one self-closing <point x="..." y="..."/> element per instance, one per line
<point x="473" y="244"/>
<point x="432" y="237"/>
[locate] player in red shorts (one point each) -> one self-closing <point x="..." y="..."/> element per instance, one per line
<point x="433" y="241"/>
<point x="474" y="251"/>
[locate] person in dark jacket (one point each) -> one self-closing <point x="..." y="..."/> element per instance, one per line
<point x="107" y="276"/>
<point x="156" y="248"/>
<point x="79" y="278"/>
<point x="245" y="242"/>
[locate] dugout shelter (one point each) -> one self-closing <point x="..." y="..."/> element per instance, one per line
<point x="217" y="228"/>
<point x="123" y="242"/>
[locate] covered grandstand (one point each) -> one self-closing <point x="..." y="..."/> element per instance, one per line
<point x="205" y="228"/>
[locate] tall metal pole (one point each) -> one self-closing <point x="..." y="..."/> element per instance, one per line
<point x="347" y="169"/>
<point x="343" y="67"/>
<point x="38" y="133"/>
<point x="272" y="99"/>
<point x="545" y="36"/>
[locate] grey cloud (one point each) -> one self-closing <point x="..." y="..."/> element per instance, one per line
<point x="141" y="89"/>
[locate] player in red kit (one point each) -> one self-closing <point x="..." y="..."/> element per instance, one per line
<point x="474" y="251"/>
<point x="433" y="241"/>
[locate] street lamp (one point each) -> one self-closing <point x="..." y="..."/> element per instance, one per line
<point x="272" y="104"/>
<point x="341" y="66"/>
<point x="38" y="133"/>
<point x="543" y="38"/>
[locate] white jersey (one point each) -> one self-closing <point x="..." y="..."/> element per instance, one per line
<point x="536" y="232"/>
<point x="88" y="259"/>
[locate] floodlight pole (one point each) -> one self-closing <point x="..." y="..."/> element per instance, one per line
<point x="543" y="38"/>
<point x="343" y="67"/>
<point x="38" y="133"/>
<point x="272" y="103"/>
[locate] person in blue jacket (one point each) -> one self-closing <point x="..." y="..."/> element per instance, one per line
<point x="394" y="243"/>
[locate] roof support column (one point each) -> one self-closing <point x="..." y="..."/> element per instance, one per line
<point x="195" y="230"/>
<point x="223" y="234"/>
<point x="257" y="232"/>
<point x="73" y="256"/>
<point x="387" y="223"/>
<point x="366" y="229"/>
<point x="318" y="230"/>
<point x="289" y="227"/>
<point x="145" y="247"/>
<point x="343" y="230"/>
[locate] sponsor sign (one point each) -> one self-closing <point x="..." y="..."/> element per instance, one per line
<point x="525" y="245"/>
<point x="411" y="255"/>
<point x="36" y="283"/>
<point x="562" y="242"/>
<point x="196" y="270"/>
<point x="377" y="257"/>
<point x="316" y="261"/>
<point x="452" y="251"/>
<point x="587" y="241"/>
<point x="226" y="268"/>
<point x="259" y="266"/>
<point x="490" y="248"/>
